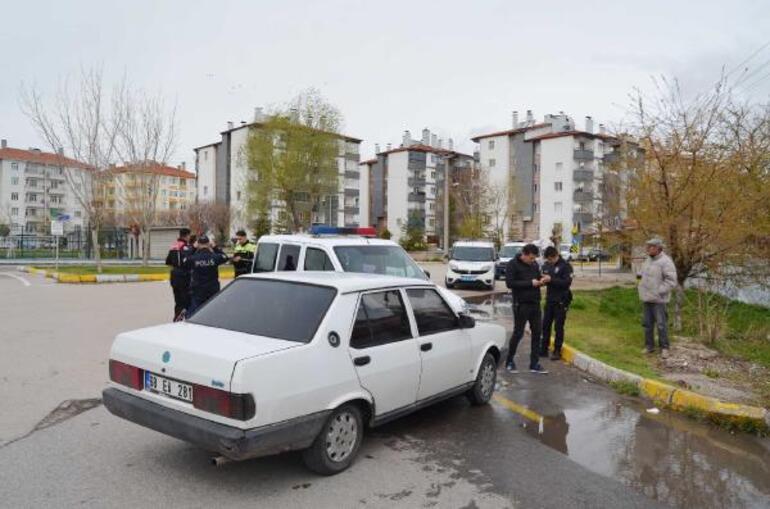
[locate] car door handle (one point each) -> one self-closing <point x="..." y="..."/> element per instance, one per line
<point x="362" y="361"/>
<point x="426" y="346"/>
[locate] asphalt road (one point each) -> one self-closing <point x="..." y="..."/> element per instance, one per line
<point x="59" y="447"/>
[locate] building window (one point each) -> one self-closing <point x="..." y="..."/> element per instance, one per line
<point x="557" y="186"/>
<point x="205" y="155"/>
<point x="238" y="195"/>
<point x="14" y="211"/>
<point x="14" y="181"/>
<point x="433" y="175"/>
<point x="491" y="144"/>
<point x="205" y="190"/>
<point x="492" y="163"/>
<point x="557" y="207"/>
<point x="559" y="166"/>
<point x="534" y="187"/>
<point x="14" y="166"/>
<point x="78" y="213"/>
<point x="14" y="196"/>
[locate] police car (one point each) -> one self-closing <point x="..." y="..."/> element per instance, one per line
<point x="301" y="361"/>
<point x="471" y="263"/>
<point x="329" y="248"/>
<point x="507" y="253"/>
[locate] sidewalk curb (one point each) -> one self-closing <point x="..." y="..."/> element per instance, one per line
<point x="669" y="396"/>
<point x="98" y="278"/>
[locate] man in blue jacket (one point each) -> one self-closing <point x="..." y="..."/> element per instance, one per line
<point x="180" y="274"/>
<point x="204" y="265"/>
<point x="558" y="297"/>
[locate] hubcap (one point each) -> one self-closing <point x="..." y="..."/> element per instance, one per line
<point x="341" y="436"/>
<point x="487" y="379"/>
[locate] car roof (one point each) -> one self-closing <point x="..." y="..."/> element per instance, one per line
<point x="327" y="240"/>
<point x="515" y="244"/>
<point x="345" y="282"/>
<point x="473" y="243"/>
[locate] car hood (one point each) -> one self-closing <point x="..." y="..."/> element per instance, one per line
<point x="191" y="352"/>
<point x="471" y="265"/>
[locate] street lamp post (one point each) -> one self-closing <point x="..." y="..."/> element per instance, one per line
<point x="446" y="158"/>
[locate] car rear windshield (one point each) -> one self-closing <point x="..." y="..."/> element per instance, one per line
<point x="386" y="260"/>
<point x="264" y="307"/>
<point x="473" y="254"/>
<point x="510" y="251"/>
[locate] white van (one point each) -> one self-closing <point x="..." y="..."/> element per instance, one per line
<point x="472" y="263"/>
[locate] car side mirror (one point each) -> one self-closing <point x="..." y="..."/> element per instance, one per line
<point x="467" y="321"/>
<point x="427" y="273"/>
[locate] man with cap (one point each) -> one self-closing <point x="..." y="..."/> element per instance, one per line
<point x="180" y="274"/>
<point x="204" y="265"/>
<point x="243" y="255"/>
<point x="658" y="280"/>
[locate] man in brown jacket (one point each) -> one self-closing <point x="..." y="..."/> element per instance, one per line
<point x="658" y="280"/>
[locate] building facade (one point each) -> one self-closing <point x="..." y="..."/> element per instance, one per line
<point x="554" y="172"/>
<point x="222" y="175"/>
<point x="36" y="187"/>
<point x="407" y="182"/>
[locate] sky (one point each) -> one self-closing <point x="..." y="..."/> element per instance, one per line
<point x="457" y="67"/>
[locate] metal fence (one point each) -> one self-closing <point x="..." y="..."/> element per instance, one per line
<point x="73" y="245"/>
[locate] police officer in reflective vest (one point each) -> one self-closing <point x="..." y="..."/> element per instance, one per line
<point x="243" y="256"/>
<point x="180" y="275"/>
<point x="204" y="265"/>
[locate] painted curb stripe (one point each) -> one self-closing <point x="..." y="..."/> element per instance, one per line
<point x="517" y="408"/>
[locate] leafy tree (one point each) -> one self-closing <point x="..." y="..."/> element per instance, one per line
<point x="261" y="225"/>
<point x="292" y="159"/>
<point x="413" y="233"/>
<point x="5" y="230"/>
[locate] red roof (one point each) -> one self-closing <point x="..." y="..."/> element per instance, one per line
<point x="157" y="168"/>
<point x="572" y="133"/>
<point x="39" y="157"/>
<point x="511" y="131"/>
<point x="424" y="148"/>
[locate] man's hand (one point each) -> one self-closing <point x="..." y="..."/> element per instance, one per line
<point x="536" y="283"/>
<point x="236" y="258"/>
<point x="546" y="279"/>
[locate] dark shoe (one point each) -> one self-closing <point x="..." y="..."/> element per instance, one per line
<point x="510" y="366"/>
<point x="556" y="355"/>
<point x="543" y="353"/>
<point x="647" y="351"/>
<point x="538" y="369"/>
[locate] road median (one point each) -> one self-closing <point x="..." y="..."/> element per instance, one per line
<point x="85" y="278"/>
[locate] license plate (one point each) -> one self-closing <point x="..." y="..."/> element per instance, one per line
<point x="468" y="278"/>
<point x="168" y="387"/>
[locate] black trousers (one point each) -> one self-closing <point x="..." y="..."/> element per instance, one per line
<point x="200" y="295"/>
<point x="555" y="314"/>
<point x="524" y="312"/>
<point x="182" y="296"/>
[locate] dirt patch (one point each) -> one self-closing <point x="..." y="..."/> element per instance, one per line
<point x="592" y="281"/>
<point x="694" y="366"/>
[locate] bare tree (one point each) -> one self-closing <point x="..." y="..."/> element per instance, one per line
<point x="79" y="122"/>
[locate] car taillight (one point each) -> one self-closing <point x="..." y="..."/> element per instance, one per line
<point x="127" y="375"/>
<point x="228" y="404"/>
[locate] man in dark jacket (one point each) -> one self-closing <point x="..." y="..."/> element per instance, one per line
<point x="557" y="299"/>
<point x="243" y="255"/>
<point x="204" y="265"/>
<point x="180" y="275"/>
<point x="522" y="276"/>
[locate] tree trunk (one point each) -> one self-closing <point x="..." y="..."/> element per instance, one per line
<point x="678" y="301"/>
<point x="97" y="249"/>
<point x="145" y="247"/>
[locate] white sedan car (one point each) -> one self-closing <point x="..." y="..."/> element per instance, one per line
<point x="287" y="361"/>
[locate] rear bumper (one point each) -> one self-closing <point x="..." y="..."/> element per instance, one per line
<point x="229" y="441"/>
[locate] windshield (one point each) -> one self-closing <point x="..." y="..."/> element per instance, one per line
<point x="264" y="307"/>
<point x="386" y="260"/>
<point x="509" y="251"/>
<point x="473" y="254"/>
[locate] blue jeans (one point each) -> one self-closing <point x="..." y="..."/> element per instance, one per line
<point x="655" y="316"/>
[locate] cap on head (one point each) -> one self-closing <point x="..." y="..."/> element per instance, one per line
<point x="655" y="241"/>
<point x="203" y="240"/>
<point x="184" y="232"/>
<point x="240" y="233"/>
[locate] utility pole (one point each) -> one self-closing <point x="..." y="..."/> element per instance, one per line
<point x="446" y="158"/>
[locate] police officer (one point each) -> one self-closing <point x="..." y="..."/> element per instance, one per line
<point x="522" y="276"/>
<point x="557" y="299"/>
<point x="204" y="265"/>
<point x="243" y="255"/>
<point x="180" y="274"/>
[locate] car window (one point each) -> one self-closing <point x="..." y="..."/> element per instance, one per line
<point x="473" y="254"/>
<point x="430" y="311"/>
<point x="386" y="260"/>
<point x="510" y="251"/>
<point x="265" y="259"/>
<point x="316" y="259"/>
<point x="381" y="319"/>
<point x="288" y="258"/>
<point x="265" y="307"/>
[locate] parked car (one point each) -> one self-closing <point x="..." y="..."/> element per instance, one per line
<point x="507" y="252"/>
<point x="565" y="251"/>
<point x="301" y="361"/>
<point x="328" y="248"/>
<point x="598" y="254"/>
<point x="471" y="263"/>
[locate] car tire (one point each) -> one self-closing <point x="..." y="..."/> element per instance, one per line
<point x="482" y="390"/>
<point x="450" y="286"/>
<point x="336" y="446"/>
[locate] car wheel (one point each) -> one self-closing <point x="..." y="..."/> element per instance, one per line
<point x="449" y="285"/>
<point x="482" y="390"/>
<point x="337" y="444"/>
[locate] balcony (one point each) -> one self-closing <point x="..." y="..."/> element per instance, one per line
<point x="352" y="156"/>
<point x="584" y="218"/>
<point x="356" y="175"/>
<point x="351" y="210"/>
<point x="610" y="157"/>
<point x="583" y="196"/>
<point x="416" y="182"/>
<point x="417" y="197"/>
<point x="583" y="175"/>
<point x="583" y="155"/>
<point x="351" y="192"/>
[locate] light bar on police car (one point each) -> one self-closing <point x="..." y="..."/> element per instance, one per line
<point x="336" y="230"/>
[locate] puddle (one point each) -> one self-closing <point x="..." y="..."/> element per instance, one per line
<point x="667" y="456"/>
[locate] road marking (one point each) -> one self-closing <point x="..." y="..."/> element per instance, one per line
<point x="519" y="409"/>
<point x="18" y="278"/>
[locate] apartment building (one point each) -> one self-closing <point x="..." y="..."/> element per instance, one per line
<point x="123" y="190"/>
<point x="36" y="187"/>
<point x="222" y="174"/>
<point x="554" y="170"/>
<point x="407" y="181"/>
